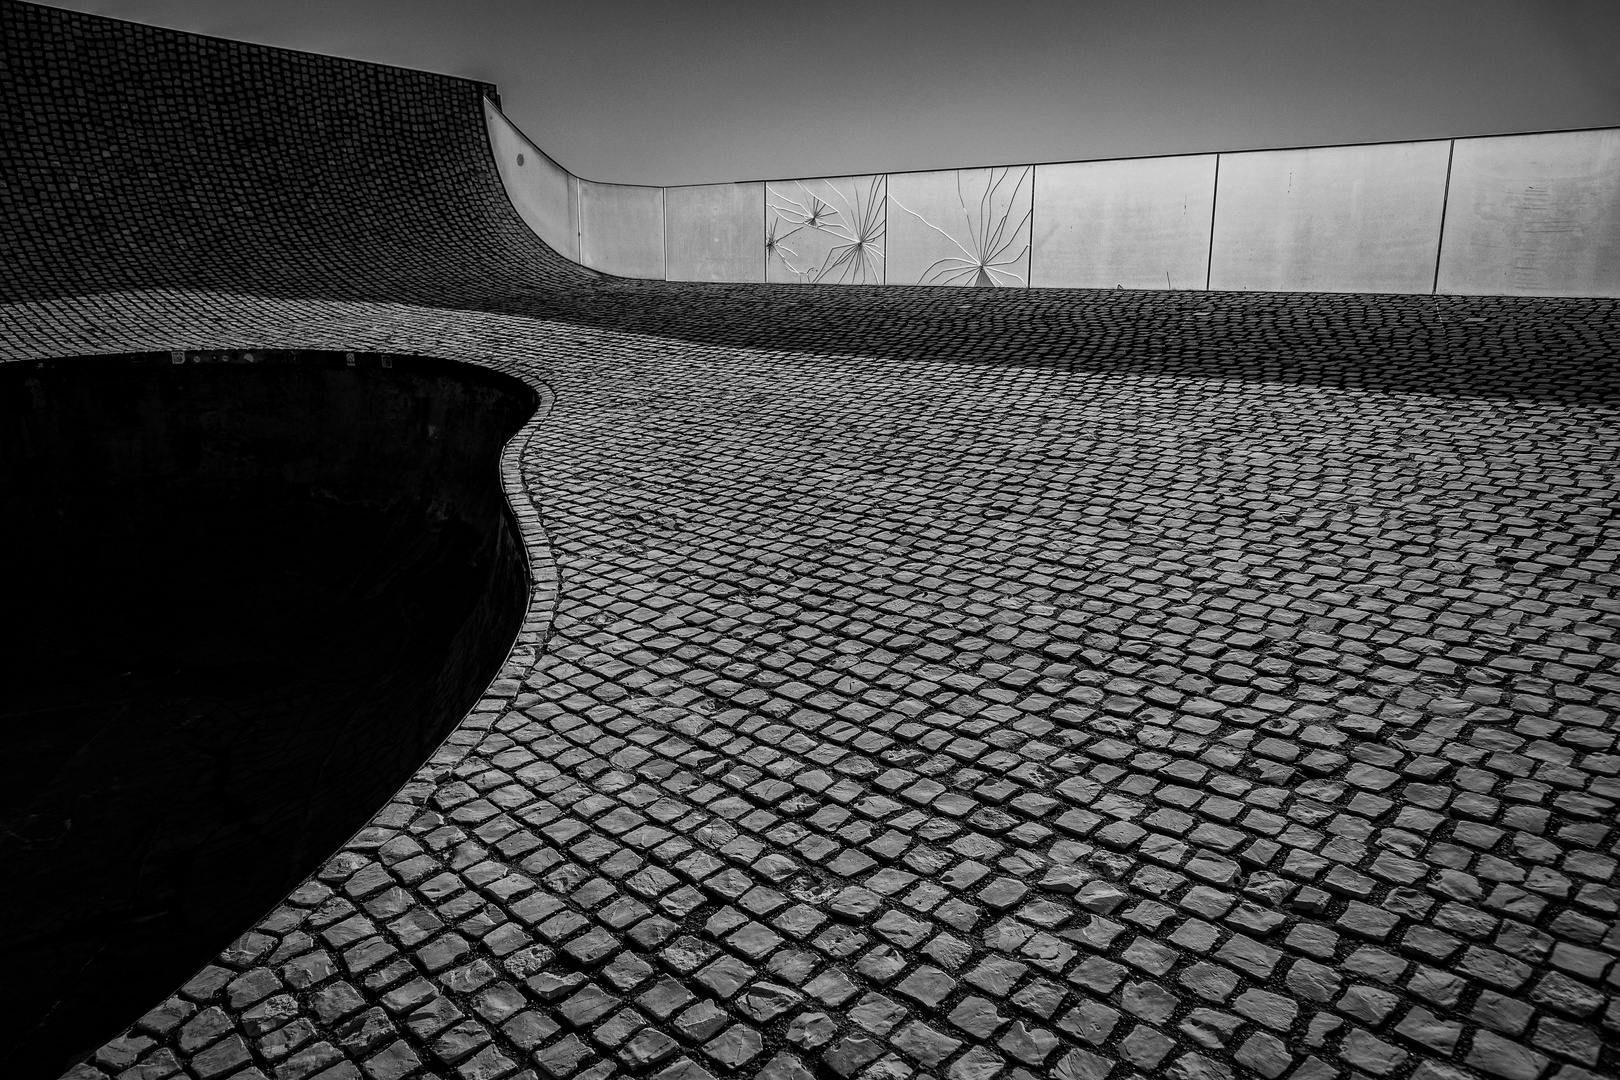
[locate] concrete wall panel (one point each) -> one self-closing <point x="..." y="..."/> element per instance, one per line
<point x="960" y="227"/>
<point x="1331" y="219"/>
<point x="1526" y="215"/>
<point x="540" y="189"/>
<point x="826" y="231"/>
<point x="621" y="229"/>
<point x="715" y="232"/>
<point x="1141" y="223"/>
<point x="1534" y="215"/>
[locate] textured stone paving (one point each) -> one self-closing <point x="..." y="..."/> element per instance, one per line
<point x="936" y="683"/>
<point x="1098" y="714"/>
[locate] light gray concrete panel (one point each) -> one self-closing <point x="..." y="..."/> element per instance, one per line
<point x="621" y="229"/>
<point x="1142" y="223"/>
<point x="959" y="227"/>
<point x="1534" y="215"/>
<point x="715" y="232"/>
<point x="541" y="190"/>
<point x="825" y="231"/>
<point x="1330" y="219"/>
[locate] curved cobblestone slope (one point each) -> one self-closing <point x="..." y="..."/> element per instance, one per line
<point x="952" y="683"/>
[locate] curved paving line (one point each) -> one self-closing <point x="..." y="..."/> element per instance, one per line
<point x="947" y="684"/>
<point x="998" y="840"/>
<point x="1116" y="942"/>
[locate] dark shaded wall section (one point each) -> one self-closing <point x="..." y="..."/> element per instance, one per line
<point x="257" y="593"/>
<point x="136" y="158"/>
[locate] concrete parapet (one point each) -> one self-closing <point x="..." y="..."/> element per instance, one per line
<point x="715" y="232"/>
<point x="621" y="229"/>
<point x="1329" y="219"/>
<point x="1534" y="215"/>
<point x="1141" y="223"/>
<point x="960" y="227"/>
<point x="544" y="193"/>
<point x="1529" y="215"/>
<point x="828" y="231"/>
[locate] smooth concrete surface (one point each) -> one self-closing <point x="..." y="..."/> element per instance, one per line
<point x="827" y="231"/>
<point x="1141" y="222"/>
<point x="715" y="232"/>
<point x="621" y="229"/>
<point x="1534" y="215"/>
<point x="542" y="192"/>
<point x="960" y="227"/>
<point x="1529" y="215"/>
<point x="1330" y="219"/>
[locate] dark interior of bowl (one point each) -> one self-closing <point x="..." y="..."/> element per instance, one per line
<point x="247" y="595"/>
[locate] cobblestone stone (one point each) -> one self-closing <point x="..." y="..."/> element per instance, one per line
<point x="962" y="682"/>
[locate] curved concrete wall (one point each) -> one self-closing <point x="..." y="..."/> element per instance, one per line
<point x="1522" y="215"/>
<point x="544" y="193"/>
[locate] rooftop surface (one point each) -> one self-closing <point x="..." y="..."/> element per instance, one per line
<point x="924" y="682"/>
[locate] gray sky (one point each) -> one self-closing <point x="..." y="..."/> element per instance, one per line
<point x="668" y="92"/>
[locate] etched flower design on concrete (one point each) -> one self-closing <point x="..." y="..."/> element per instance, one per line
<point x="774" y="238"/>
<point x="971" y="224"/>
<point x="826" y="231"/>
<point x="811" y="211"/>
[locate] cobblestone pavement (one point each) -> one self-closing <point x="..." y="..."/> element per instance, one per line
<point x="1136" y="706"/>
<point x="968" y="684"/>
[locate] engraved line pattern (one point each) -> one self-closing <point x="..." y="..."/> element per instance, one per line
<point x="852" y="221"/>
<point x="987" y="241"/>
